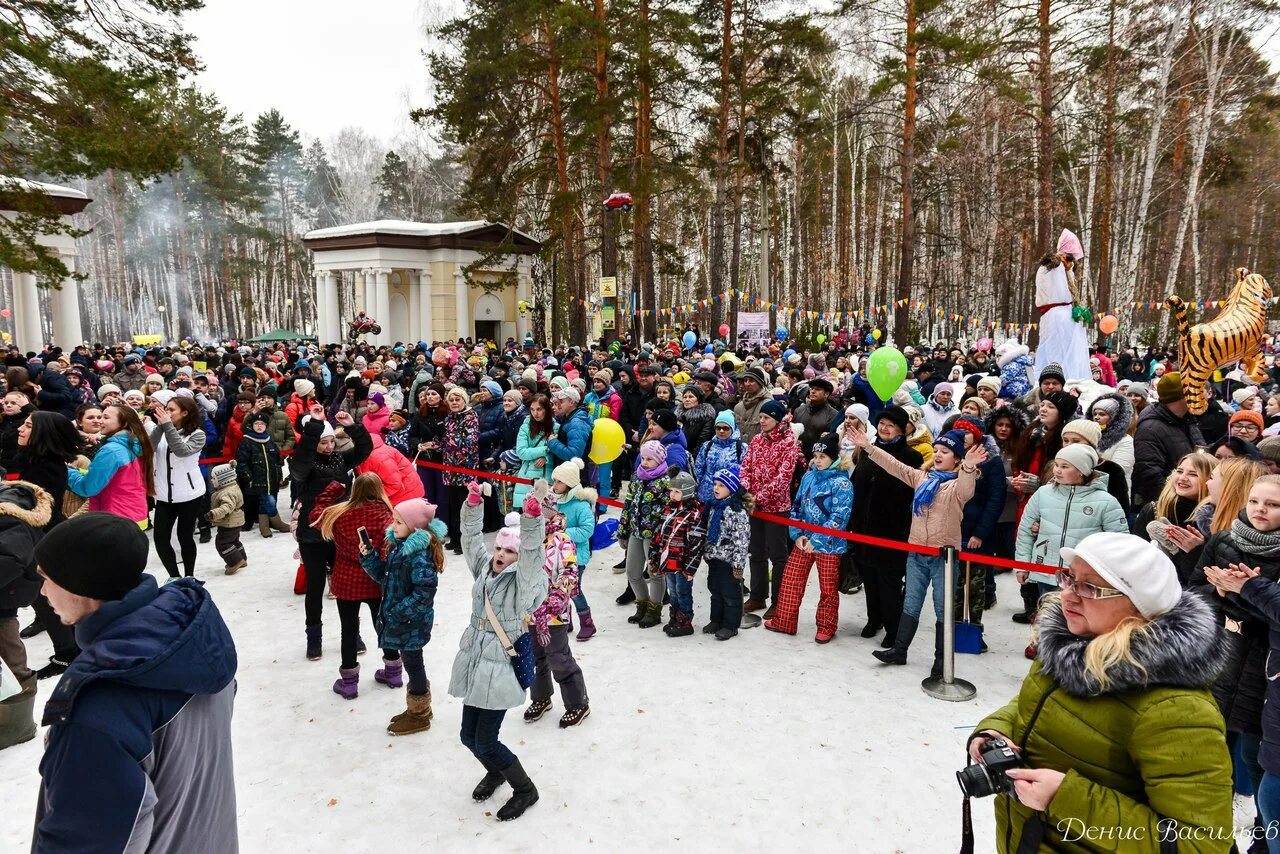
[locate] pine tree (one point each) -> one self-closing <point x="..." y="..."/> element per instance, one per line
<point x="321" y="193"/>
<point x="393" y="186"/>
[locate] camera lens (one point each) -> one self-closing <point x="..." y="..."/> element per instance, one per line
<point x="974" y="781"/>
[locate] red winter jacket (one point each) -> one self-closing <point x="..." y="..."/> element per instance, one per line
<point x="397" y="472"/>
<point x="768" y="466"/>
<point x="235" y="432"/>
<point x="350" y="582"/>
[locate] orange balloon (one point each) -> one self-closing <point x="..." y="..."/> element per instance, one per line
<point x="1108" y="324"/>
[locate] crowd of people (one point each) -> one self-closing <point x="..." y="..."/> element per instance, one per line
<point x="1154" y="533"/>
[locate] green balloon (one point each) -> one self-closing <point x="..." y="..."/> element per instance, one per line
<point x="886" y="369"/>
<point x="821" y="339"/>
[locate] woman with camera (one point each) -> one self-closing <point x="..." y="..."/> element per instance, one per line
<point x="1116" y="732"/>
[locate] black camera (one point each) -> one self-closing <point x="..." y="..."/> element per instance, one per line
<point x="987" y="776"/>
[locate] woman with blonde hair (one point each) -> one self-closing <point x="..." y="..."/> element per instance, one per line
<point x="1114" y="725"/>
<point x="341" y="523"/>
<point x="1169" y="520"/>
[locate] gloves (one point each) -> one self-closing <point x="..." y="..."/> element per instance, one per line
<point x="474" y="496"/>
<point x="532" y="507"/>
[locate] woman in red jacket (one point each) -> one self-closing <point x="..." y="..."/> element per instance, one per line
<point x="768" y="468"/>
<point x="340" y="523"/>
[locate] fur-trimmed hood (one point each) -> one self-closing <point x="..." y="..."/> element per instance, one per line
<point x="1014" y="413"/>
<point x="1010" y="350"/>
<point x="26" y="502"/>
<point x="1182" y="648"/>
<point x="1118" y="427"/>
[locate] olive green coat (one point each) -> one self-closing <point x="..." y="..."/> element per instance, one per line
<point x="1144" y="751"/>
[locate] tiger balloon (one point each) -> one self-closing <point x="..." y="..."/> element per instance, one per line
<point x="1234" y="335"/>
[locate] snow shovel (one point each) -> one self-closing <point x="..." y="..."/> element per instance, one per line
<point x="968" y="635"/>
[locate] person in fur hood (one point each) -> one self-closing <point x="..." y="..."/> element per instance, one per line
<point x="1014" y="361"/>
<point x="1115" y="723"/>
<point x="1113" y="412"/>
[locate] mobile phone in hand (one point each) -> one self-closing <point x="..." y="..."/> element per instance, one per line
<point x="364" y="537"/>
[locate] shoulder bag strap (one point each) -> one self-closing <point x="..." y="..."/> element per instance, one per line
<point x="497" y="627"/>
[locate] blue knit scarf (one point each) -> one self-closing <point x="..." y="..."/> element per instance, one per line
<point x="928" y="490"/>
<point x="715" y="508"/>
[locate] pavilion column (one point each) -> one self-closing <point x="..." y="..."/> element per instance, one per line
<point x="66" y="309"/>
<point x="426" y="320"/>
<point x="522" y="293"/>
<point x="26" y="313"/>
<point x="332" y="331"/>
<point x="322" y="305"/>
<point x="462" y="303"/>
<point x="382" y="304"/>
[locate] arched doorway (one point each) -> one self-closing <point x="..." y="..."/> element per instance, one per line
<point x="489" y="315"/>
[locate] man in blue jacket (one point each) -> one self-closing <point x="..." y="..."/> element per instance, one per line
<point x="575" y="426"/>
<point x="138" y="755"/>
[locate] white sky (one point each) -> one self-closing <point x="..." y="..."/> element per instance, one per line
<point x="324" y="64"/>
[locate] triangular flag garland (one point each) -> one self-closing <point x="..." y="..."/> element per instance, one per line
<point x="627" y="307"/>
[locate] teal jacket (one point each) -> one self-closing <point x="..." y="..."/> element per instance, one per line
<point x="580" y="522"/>
<point x="1067" y="514"/>
<point x="530" y="451"/>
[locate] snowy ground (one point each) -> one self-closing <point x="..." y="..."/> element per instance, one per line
<point x="762" y="742"/>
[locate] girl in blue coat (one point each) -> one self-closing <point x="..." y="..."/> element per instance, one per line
<point x="577" y="503"/>
<point x="725" y="450"/>
<point x="824" y="498"/>
<point x="409" y="576"/>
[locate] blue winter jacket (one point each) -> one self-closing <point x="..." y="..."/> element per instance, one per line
<point x="984" y="508"/>
<point x="509" y="428"/>
<point x="580" y="524"/>
<point x="677" y="451"/>
<point x="865" y="394"/>
<point x="571" y="439"/>
<point x="713" y="456"/>
<point x="824" y="498"/>
<point x="138" y="755"/>
<point x="490" y="414"/>
<point x="408" y="578"/>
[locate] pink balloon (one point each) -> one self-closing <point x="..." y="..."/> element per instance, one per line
<point x="984" y="344"/>
<point x="4" y="312"/>
<point x="724" y="329"/>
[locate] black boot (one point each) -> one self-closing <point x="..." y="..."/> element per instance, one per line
<point x="906" y="632"/>
<point x="1030" y="599"/>
<point x="486" y="787"/>
<point x="936" y="670"/>
<point x="523" y="793"/>
<point x="36" y="628"/>
<point x="628" y="596"/>
<point x="870" y="630"/>
<point x="313" y="643"/>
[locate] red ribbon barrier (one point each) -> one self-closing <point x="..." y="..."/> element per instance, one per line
<point x="865" y="539"/>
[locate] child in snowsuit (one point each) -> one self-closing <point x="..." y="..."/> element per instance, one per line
<point x="676" y="551"/>
<point x="339" y="523"/>
<point x="409" y="576"/>
<point x="551" y="621"/>
<point x="728" y="536"/>
<point x="824" y="498"/>
<point x="258" y="469"/>
<point x="577" y="503"/>
<point x="226" y="510"/>
<point x="641" y="516"/>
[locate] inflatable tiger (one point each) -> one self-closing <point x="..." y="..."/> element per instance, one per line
<point x="1234" y="335"/>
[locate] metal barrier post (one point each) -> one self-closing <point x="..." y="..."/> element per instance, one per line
<point x="947" y="686"/>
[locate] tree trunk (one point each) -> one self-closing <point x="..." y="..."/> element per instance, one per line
<point x="1108" y="166"/>
<point x="715" y="275"/>
<point x="1044" y="129"/>
<point x="563" y="203"/>
<point x="907" y="161"/>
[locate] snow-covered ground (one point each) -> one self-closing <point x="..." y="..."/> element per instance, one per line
<point x="761" y="742"/>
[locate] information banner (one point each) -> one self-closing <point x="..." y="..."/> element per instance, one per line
<point x="753" y="328"/>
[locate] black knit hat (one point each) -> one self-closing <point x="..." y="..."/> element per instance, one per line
<point x="1066" y="404"/>
<point x="897" y="415"/>
<point x="98" y="555"/>
<point x="666" y="419"/>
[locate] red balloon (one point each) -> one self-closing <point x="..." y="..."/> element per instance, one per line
<point x="4" y="312"/>
<point x="724" y="329"/>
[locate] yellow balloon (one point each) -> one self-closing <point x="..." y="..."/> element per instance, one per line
<point x="606" y="441"/>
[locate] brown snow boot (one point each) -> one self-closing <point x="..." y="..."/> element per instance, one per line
<point x="264" y="525"/>
<point x="278" y="524"/>
<point x="416" y="718"/>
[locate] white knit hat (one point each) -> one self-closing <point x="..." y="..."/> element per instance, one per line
<point x="1135" y="567"/>
<point x="328" y="428"/>
<point x="1085" y="429"/>
<point x="569" y="472"/>
<point x="1083" y="457"/>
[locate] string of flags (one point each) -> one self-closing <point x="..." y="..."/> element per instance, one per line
<point x="626" y="306"/>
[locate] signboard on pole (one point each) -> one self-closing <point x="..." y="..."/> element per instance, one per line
<point x="608" y="286"/>
<point x="607" y="316"/>
<point x="753" y="328"/>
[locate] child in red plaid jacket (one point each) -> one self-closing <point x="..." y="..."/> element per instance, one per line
<point x="677" y="550"/>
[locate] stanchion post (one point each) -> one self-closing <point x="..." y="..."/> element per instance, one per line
<point x="947" y="686"/>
